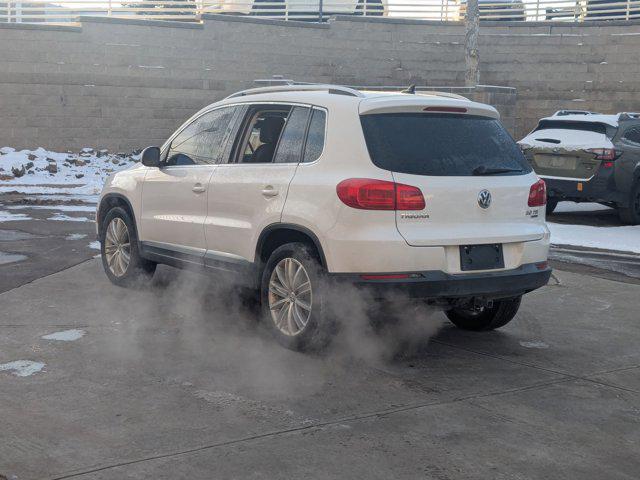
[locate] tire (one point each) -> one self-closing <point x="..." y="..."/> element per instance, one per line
<point x="296" y="317"/>
<point x="124" y="274"/>
<point x="501" y="313"/>
<point x="631" y="215"/>
<point x="552" y="203"/>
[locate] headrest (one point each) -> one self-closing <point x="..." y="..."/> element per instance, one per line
<point x="270" y="129"/>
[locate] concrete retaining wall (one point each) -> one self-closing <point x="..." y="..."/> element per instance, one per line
<point x="121" y="85"/>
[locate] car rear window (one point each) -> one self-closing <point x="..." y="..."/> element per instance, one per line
<point x="583" y="126"/>
<point x="440" y="144"/>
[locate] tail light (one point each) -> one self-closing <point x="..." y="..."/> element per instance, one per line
<point x="368" y="194"/>
<point x="608" y="154"/>
<point x="538" y="194"/>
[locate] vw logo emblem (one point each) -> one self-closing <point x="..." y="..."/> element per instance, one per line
<point x="484" y="198"/>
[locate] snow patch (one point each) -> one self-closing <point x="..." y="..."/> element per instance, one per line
<point x="95" y="245"/>
<point x="11" y="258"/>
<point x="75" y="236"/>
<point x="534" y="344"/>
<point x="41" y="171"/>
<point x="22" y="368"/>
<point x="66" y="218"/>
<point x="89" y="199"/>
<point x="6" y="216"/>
<point x="62" y="208"/>
<point x="569" y="207"/>
<point x="65" y="335"/>
<point x="626" y="239"/>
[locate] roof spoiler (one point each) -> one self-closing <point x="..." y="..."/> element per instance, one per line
<point x="629" y="116"/>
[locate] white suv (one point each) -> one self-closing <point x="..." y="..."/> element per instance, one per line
<point x="296" y="189"/>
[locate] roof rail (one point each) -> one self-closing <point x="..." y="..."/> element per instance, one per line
<point x="293" y="87"/>
<point x="562" y="113"/>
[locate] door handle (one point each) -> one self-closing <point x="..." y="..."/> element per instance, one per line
<point x="269" y="191"/>
<point x="198" y="188"/>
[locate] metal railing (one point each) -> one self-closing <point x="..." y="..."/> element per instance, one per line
<point x="34" y="11"/>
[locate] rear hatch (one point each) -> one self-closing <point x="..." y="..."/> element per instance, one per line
<point x="567" y="149"/>
<point x="453" y="158"/>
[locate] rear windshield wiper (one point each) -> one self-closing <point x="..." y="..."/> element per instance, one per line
<point x="482" y="170"/>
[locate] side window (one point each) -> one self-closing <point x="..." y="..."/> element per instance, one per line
<point x="315" y="137"/>
<point x="290" y="145"/>
<point x="261" y="135"/>
<point x="632" y="135"/>
<point x="202" y="141"/>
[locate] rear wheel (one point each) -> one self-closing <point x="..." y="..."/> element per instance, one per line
<point x="292" y="293"/>
<point x="631" y="215"/>
<point x="552" y="203"/>
<point x="485" y="318"/>
<point x="119" y="248"/>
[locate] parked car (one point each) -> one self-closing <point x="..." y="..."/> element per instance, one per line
<point x="301" y="190"/>
<point x="299" y="9"/>
<point x="589" y="157"/>
<point x="497" y="10"/>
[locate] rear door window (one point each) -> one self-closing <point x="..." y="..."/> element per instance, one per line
<point x="441" y="144"/>
<point x="262" y="132"/>
<point x="290" y="145"/>
<point x="315" y="137"/>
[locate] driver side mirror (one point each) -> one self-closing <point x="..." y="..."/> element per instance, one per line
<point x="151" y="157"/>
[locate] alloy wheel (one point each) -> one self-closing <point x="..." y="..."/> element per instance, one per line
<point x="290" y="296"/>
<point x="117" y="247"/>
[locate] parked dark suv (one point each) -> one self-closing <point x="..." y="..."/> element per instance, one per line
<point x="589" y="157"/>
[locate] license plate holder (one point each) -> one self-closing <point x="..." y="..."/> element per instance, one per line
<point x="481" y="257"/>
<point x="557" y="162"/>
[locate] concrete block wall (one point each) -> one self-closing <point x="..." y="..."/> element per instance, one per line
<point x="124" y="84"/>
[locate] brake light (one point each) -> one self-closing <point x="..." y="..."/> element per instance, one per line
<point x="408" y="197"/>
<point x="369" y="194"/>
<point x="538" y="194"/>
<point x="603" y="153"/>
<point x="446" y="109"/>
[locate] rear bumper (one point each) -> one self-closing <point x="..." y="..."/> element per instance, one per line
<point x="439" y="285"/>
<point x="600" y="188"/>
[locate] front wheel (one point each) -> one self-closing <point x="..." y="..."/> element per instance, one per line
<point x="119" y="248"/>
<point x="485" y="318"/>
<point x="292" y="297"/>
